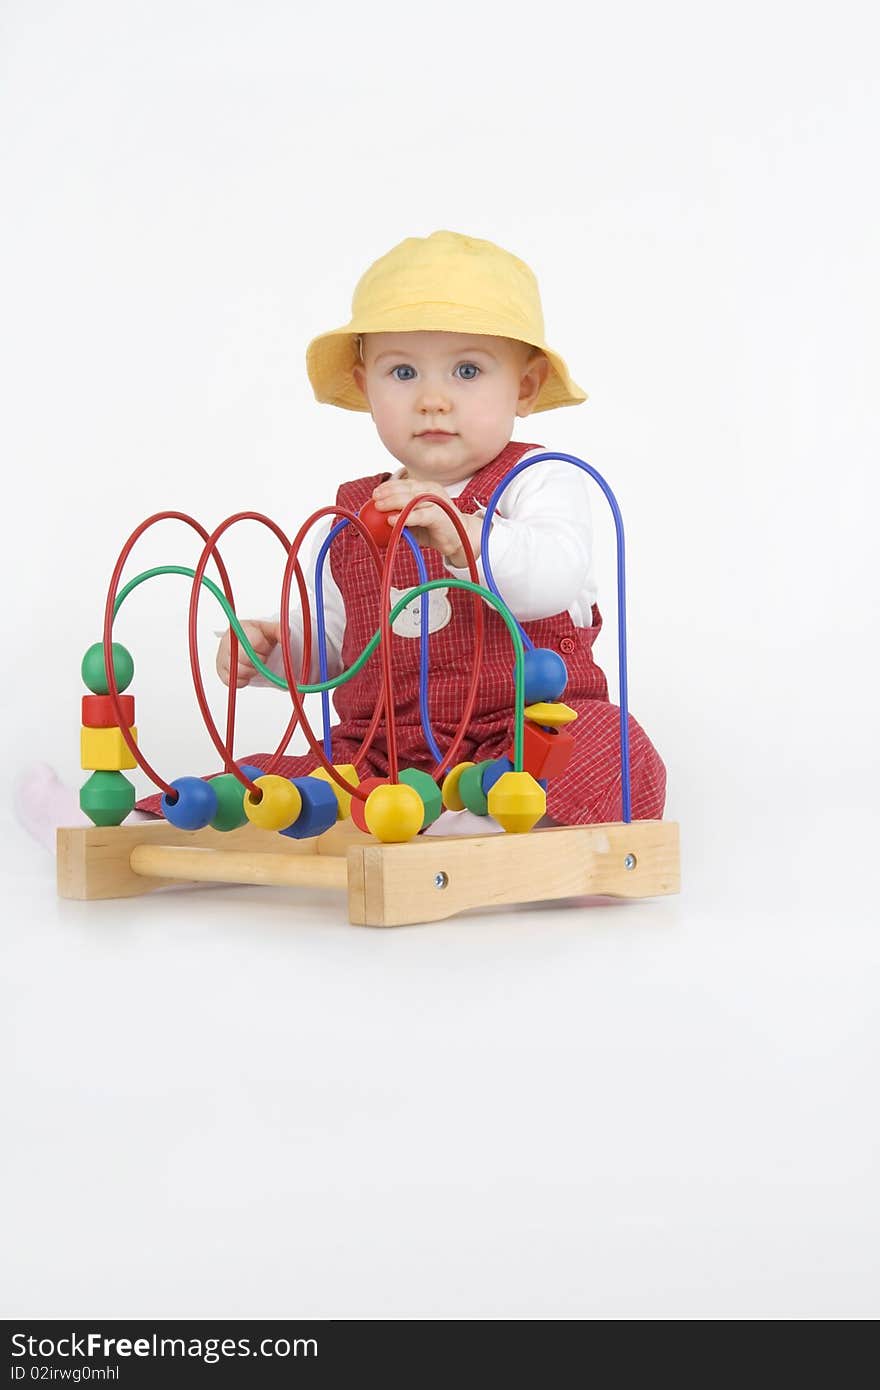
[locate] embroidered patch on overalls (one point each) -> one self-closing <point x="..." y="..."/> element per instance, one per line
<point x="408" y="623"/>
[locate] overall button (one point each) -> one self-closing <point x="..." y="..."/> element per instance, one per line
<point x="567" y="645"/>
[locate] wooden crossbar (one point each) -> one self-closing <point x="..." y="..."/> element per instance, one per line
<point x="238" y="866"/>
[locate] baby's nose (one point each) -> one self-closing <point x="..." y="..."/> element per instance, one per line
<point x="432" y="397"/>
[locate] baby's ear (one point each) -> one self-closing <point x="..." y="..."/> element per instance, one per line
<point x="358" y="371"/>
<point x="534" y="375"/>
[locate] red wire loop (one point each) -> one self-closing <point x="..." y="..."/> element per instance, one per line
<point x="112" y="687"/>
<point x="287" y="656"/>
<point x="225" y="749"/>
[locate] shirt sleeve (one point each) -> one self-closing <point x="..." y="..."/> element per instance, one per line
<point x="334" y="617"/>
<point x="540" y="541"/>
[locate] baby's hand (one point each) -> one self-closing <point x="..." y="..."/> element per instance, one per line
<point x="262" y="636"/>
<point x="429" y="524"/>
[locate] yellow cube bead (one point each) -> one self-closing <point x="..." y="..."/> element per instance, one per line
<point x="517" y="802"/>
<point x="349" y="772"/>
<point x="279" y="804"/>
<point x="394" y="812"/>
<point x="550" y="716"/>
<point x="105" y="750"/>
<point x="451" y="795"/>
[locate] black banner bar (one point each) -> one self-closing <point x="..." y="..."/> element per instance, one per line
<point x="92" y="1352"/>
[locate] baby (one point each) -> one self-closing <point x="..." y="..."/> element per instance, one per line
<point x="445" y="348"/>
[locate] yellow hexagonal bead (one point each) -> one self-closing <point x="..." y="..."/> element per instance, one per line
<point x="550" y="716"/>
<point x="279" y="805"/>
<point x="517" y="802"/>
<point x="343" y="798"/>
<point x="394" y="812"/>
<point x="451" y="796"/>
<point x="105" y="750"/>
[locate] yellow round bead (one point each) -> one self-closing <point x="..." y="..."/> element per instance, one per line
<point x="517" y="802"/>
<point x="550" y="716"/>
<point x="394" y="812"/>
<point x="279" y="805"/>
<point x="451" y="797"/>
<point x="349" y="772"/>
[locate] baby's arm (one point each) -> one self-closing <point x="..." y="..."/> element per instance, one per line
<point x="540" y="543"/>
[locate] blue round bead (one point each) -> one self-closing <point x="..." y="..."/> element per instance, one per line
<point x="196" y="804"/>
<point x="319" y="808"/>
<point x="493" y="770"/>
<point x="546" y="675"/>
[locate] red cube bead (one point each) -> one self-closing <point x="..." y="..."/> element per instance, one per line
<point x="546" y="752"/>
<point x="97" y="711"/>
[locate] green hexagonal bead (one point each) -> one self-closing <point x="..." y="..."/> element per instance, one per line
<point x="107" y="798"/>
<point x="230" y="802"/>
<point x="470" y="788"/>
<point x="94" y="672"/>
<point x="427" y="788"/>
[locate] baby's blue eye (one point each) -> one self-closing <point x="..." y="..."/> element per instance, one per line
<point x="403" y="368"/>
<point x="468" y="371"/>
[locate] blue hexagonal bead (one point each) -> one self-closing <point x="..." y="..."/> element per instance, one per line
<point x="319" y="808"/>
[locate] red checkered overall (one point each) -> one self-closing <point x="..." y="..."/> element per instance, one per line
<point x="588" y="791"/>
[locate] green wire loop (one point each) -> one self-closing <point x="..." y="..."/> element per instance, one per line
<point x="498" y="604"/>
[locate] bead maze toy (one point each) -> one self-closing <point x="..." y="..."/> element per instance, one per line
<point x="330" y="828"/>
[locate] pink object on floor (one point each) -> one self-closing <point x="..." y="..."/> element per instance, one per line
<point x="42" y="803"/>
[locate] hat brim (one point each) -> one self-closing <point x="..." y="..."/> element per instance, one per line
<point x="331" y="357"/>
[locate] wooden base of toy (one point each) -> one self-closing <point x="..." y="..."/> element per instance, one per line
<point x="388" y="885"/>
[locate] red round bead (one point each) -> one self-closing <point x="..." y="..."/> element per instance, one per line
<point x="357" y="806"/>
<point x="376" y="523"/>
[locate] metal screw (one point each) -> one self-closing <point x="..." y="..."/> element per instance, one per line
<point x="629" y="862"/>
<point x="441" y="880"/>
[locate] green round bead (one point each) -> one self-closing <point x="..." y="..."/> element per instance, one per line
<point x="107" y="798"/>
<point x="230" y="802"/>
<point x="470" y="788"/>
<point x="427" y="789"/>
<point x="94" y="672"/>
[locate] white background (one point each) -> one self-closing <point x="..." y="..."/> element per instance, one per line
<point x="229" y="1102"/>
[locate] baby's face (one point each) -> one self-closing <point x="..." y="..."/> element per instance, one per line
<point x="444" y="403"/>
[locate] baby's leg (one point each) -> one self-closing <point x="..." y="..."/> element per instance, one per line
<point x="589" y="790"/>
<point x="43" y="802"/>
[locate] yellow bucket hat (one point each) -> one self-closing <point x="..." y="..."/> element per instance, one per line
<point x="444" y="282"/>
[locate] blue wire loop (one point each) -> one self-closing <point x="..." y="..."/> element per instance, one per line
<point x="626" y="790"/>
<point x="321" y="634"/>
<point x="621" y="596"/>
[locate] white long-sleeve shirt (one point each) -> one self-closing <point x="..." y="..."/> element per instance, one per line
<point x="540" y="550"/>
